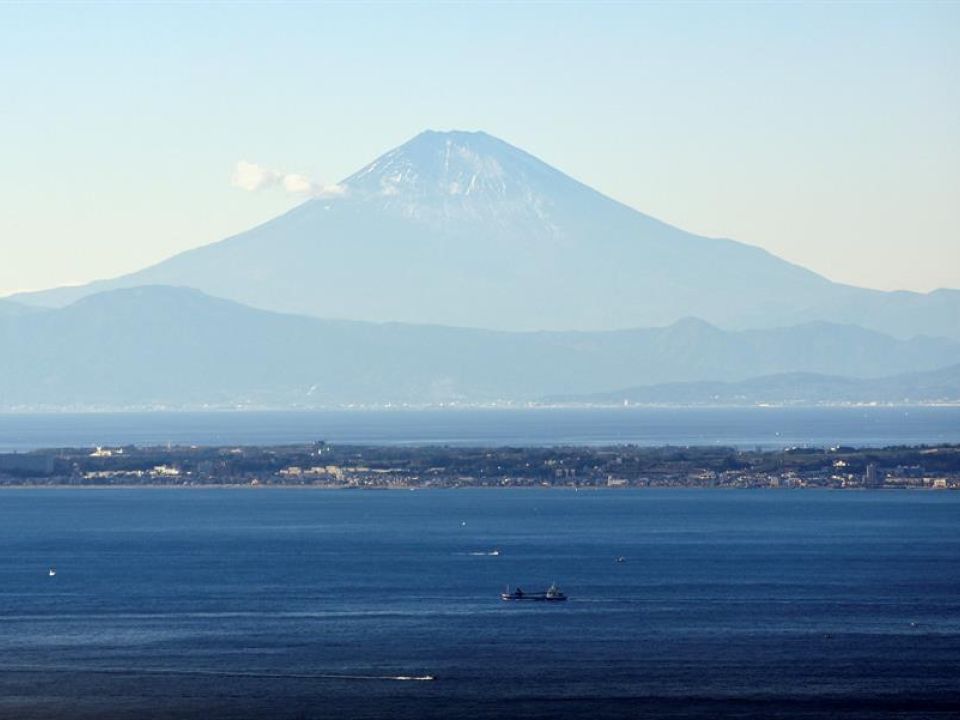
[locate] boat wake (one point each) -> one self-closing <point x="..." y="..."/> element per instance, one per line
<point x="211" y="673"/>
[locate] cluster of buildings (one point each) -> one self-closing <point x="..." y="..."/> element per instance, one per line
<point x="322" y="465"/>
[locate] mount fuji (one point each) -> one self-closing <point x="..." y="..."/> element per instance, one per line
<point x="463" y="229"/>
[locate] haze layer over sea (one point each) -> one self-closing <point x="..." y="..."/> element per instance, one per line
<point x="767" y="427"/>
<point x="293" y="603"/>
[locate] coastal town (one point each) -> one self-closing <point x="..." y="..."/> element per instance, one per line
<point x="404" y="467"/>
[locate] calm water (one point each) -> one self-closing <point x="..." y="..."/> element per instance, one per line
<point x="234" y="603"/>
<point x="742" y="427"/>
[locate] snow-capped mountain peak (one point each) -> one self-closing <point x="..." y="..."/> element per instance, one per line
<point x="446" y="178"/>
<point x="453" y="164"/>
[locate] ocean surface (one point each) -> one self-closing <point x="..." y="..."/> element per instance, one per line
<point x="283" y="603"/>
<point x="767" y="427"/>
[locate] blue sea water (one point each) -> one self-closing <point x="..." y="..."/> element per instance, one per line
<point x="767" y="427"/>
<point x="296" y="603"/>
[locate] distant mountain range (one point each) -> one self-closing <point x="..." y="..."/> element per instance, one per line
<point x="462" y="229"/>
<point x="935" y="386"/>
<point x="179" y="348"/>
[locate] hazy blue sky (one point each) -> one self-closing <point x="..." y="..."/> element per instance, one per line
<point x="828" y="134"/>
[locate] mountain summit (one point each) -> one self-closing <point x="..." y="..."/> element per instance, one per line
<point x="461" y="228"/>
<point x="448" y="179"/>
<point x="471" y="183"/>
<point x="455" y="164"/>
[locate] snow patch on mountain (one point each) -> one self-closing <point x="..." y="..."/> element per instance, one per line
<point x="446" y="179"/>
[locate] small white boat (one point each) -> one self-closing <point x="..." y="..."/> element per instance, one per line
<point x="52" y="572"/>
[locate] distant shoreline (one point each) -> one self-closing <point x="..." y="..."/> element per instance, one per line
<point x="226" y="486"/>
<point x="458" y="407"/>
<point x="490" y="488"/>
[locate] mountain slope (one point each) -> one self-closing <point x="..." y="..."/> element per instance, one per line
<point x="163" y="346"/>
<point x="463" y="229"/>
<point x="8" y="308"/>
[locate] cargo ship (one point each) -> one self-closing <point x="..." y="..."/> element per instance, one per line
<point x="551" y="594"/>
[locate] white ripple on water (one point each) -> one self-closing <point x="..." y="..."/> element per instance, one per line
<point x="210" y="673"/>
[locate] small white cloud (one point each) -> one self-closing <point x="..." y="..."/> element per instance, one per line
<point x="297" y="184"/>
<point x="252" y="177"/>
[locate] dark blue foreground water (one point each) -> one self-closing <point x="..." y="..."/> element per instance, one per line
<point x="740" y="427"/>
<point x="233" y="603"/>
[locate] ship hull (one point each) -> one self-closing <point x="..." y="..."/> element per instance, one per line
<point x="531" y="598"/>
